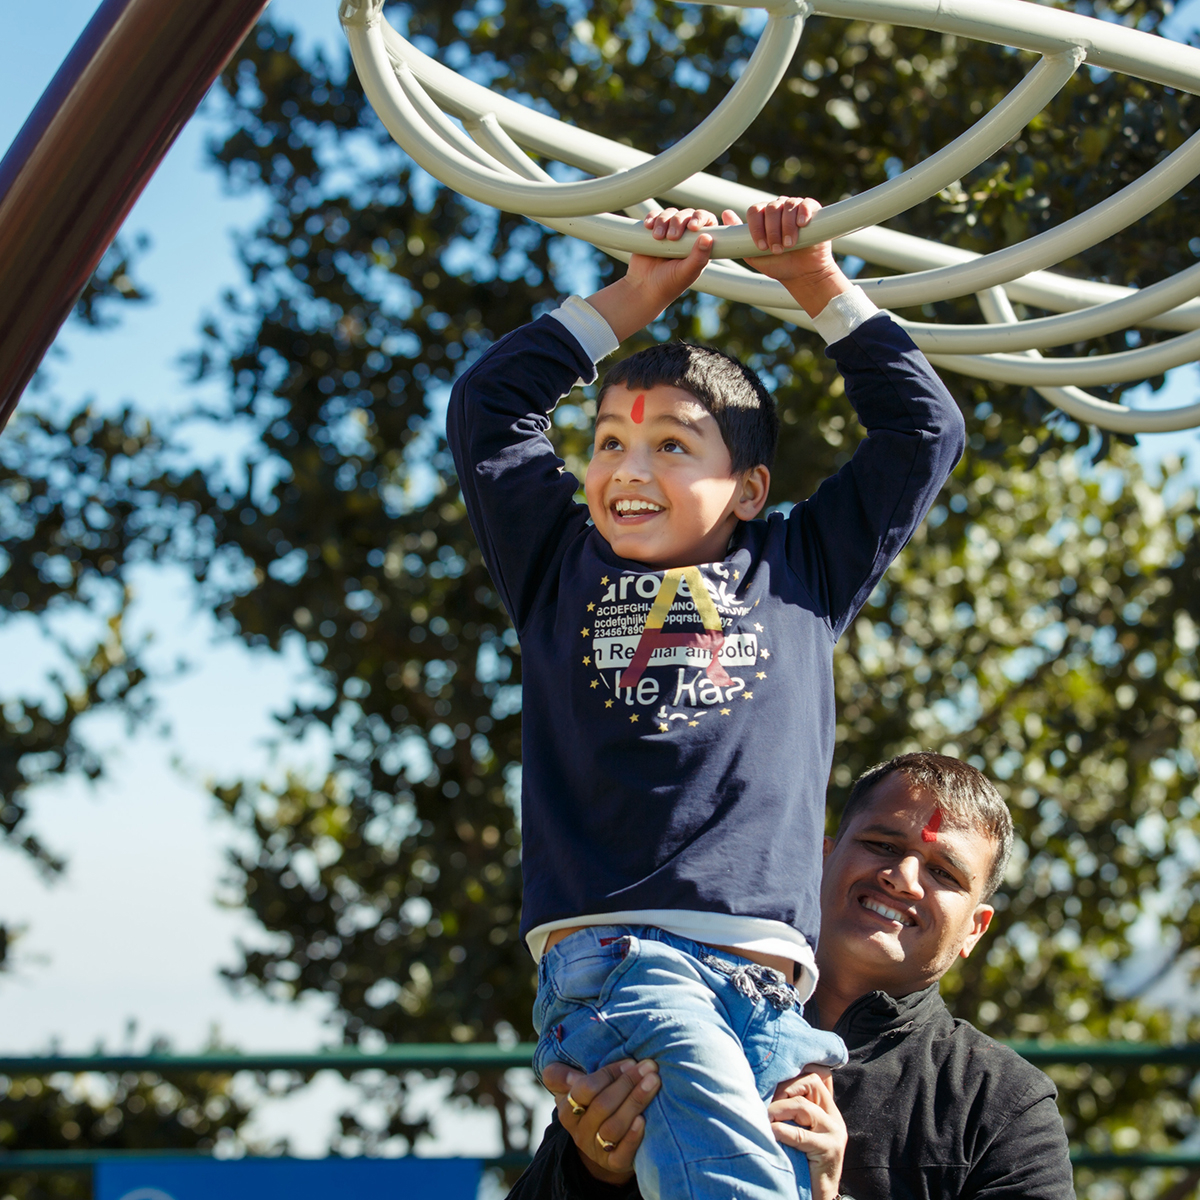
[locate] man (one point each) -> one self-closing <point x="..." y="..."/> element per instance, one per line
<point x="933" y="1107"/>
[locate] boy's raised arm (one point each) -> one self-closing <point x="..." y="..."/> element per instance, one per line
<point x="841" y="540"/>
<point x="519" y="500"/>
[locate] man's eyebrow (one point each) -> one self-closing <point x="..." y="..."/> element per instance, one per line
<point x="947" y="856"/>
<point x="886" y="830"/>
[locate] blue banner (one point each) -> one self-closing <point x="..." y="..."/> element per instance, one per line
<point x="293" y="1178"/>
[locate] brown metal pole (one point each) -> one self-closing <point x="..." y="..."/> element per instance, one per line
<point x="120" y="98"/>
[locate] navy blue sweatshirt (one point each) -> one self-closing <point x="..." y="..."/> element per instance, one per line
<point x="678" y="727"/>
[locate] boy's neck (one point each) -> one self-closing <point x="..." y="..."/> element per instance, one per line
<point x="691" y="560"/>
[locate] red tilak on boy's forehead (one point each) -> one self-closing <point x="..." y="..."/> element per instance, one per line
<point x="930" y="832"/>
<point x="639" y="409"/>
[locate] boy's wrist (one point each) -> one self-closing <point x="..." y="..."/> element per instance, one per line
<point x="814" y="292"/>
<point x="844" y="314"/>
<point x="627" y="307"/>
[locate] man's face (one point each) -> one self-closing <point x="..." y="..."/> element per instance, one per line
<point x="660" y="486"/>
<point x="900" y="894"/>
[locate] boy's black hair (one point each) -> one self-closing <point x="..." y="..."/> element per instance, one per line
<point x="744" y="410"/>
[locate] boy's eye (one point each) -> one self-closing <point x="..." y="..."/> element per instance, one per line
<point x="673" y="447"/>
<point x="610" y="444"/>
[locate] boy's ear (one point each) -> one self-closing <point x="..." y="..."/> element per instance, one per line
<point x="756" y="483"/>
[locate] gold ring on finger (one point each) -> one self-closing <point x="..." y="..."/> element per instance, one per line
<point x="577" y="1108"/>
<point x="607" y="1147"/>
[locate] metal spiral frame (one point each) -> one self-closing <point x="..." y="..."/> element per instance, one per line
<point x="412" y="93"/>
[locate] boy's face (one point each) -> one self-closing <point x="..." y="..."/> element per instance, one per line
<point x="660" y="487"/>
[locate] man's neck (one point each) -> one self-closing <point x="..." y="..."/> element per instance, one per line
<point x="832" y="1001"/>
<point x="835" y="992"/>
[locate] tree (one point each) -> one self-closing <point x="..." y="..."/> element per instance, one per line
<point x="396" y="891"/>
<point x="1039" y="623"/>
<point x="75" y="516"/>
<point x="72" y="519"/>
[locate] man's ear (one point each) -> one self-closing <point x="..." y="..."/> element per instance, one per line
<point x="980" y="921"/>
<point x="756" y="483"/>
<point x="828" y="846"/>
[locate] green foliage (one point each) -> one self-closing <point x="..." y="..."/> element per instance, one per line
<point x="136" y="1111"/>
<point x="73" y="516"/>
<point x="112" y="281"/>
<point x="1011" y="631"/>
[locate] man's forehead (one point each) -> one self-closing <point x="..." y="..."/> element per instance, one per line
<point x="901" y="808"/>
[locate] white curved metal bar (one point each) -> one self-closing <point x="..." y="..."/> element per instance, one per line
<point x="442" y="126"/>
<point x="489" y="133"/>
<point x="495" y="168"/>
<point x="1039" y="29"/>
<point x="954" y="160"/>
<point x="715" y="134"/>
<point x="1040" y="289"/>
<point x="878" y="204"/>
<point x="1043" y="332"/>
<point x="1090" y="410"/>
<point x="885" y="247"/>
<point x="1097" y="369"/>
<point x="1081" y="232"/>
<point x="607" y="231"/>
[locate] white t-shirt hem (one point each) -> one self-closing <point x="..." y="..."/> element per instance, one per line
<point x="758" y="934"/>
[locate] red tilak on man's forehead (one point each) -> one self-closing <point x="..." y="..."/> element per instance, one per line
<point x="639" y="409"/>
<point x="930" y="832"/>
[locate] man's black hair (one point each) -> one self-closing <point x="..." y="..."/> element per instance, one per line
<point x="743" y="409"/>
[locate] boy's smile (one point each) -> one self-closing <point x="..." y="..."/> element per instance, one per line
<point x="660" y="486"/>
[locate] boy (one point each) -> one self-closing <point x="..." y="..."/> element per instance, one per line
<point x="677" y="681"/>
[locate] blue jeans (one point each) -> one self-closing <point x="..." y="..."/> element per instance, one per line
<point x="723" y="1032"/>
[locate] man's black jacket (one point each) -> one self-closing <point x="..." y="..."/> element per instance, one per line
<point x="934" y="1109"/>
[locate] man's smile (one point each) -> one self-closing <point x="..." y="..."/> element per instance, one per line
<point x="885" y="911"/>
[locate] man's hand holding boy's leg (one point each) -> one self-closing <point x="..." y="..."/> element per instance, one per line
<point x="804" y="1116"/>
<point x="604" y="1110"/>
<point x="650" y="283"/>
<point x="810" y="274"/>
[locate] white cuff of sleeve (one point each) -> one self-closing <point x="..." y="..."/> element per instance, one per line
<point x="588" y="327"/>
<point x="843" y="315"/>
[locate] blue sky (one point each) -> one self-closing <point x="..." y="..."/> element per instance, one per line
<point x="135" y="929"/>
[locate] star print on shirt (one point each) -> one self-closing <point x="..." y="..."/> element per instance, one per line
<point x="757" y="627"/>
<point x="747" y="695"/>
<point x="760" y="675"/>
<point x="693" y="724"/>
<point x="587" y="662"/>
<point x="765" y="653"/>
<point x="591" y="607"/>
<point x="595" y="683"/>
<point x="662" y="727"/>
<point x="604" y="579"/>
<point x="633" y="719"/>
<point x="737" y="575"/>
<point x="583" y="633"/>
<point x="608" y="704"/>
<point x="726" y="711"/>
